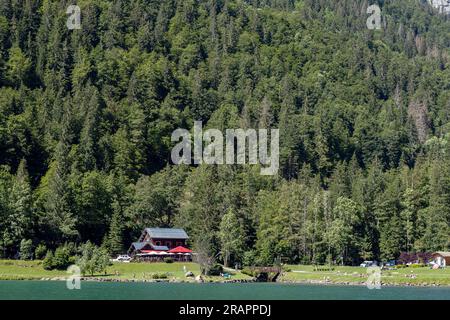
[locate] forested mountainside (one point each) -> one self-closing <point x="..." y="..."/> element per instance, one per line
<point x="364" y="117"/>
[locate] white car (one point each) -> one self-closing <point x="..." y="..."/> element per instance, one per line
<point x="367" y="264"/>
<point x="122" y="258"/>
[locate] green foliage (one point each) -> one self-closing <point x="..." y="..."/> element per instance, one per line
<point x="18" y="66"/>
<point x="87" y="118"/>
<point x="215" y="270"/>
<point x="48" y="261"/>
<point x="26" y="249"/>
<point x="63" y="257"/>
<point x="93" y="259"/>
<point x="160" y="276"/>
<point x="168" y="260"/>
<point x="249" y="272"/>
<point x="249" y="258"/>
<point x="40" y="252"/>
<point x="417" y="265"/>
<point x="231" y="236"/>
<point x="156" y="198"/>
<point x="18" y="209"/>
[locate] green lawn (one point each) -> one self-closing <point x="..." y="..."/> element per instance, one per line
<point x="29" y="270"/>
<point x="18" y="270"/>
<point x="421" y="276"/>
<point x="174" y="270"/>
<point x="145" y="270"/>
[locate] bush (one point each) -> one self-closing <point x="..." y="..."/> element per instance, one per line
<point x="249" y="258"/>
<point x="249" y="272"/>
<point x="424" y="257"/>
<point x="40" y="252"/>
<point x="215" y="270"/>
<point x="47" y="264"/>
<point x="421" y="257"/>
<point x="306" y="260"/>
<point x="26" y="249"/>
<point x="71" y="248"/>
<point x="160" y="276"/>
<point x="168" y="260"/>
<point x="62" y="258"/>
<point x="321" y="268"/>
<point x="286" y="269"/>
<point x="93" y="259"/>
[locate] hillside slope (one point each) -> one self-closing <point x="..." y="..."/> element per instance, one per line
<point x="86" y="118"/>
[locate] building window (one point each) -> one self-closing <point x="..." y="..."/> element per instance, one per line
<point x="158" y="243"/>
<point x="168" y="244"/>
<point x="179" y="244"/>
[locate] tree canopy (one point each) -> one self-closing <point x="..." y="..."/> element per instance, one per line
<point x="86" y="118"/>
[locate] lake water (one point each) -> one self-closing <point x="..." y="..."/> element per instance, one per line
<point x="215" y="291"/>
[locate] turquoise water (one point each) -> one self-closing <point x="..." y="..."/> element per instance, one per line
<point x="183" y="291"/>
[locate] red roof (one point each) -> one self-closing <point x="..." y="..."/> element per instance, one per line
<point x="180" y="249"/>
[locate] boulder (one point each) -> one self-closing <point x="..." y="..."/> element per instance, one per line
<point x="189" y="274"/>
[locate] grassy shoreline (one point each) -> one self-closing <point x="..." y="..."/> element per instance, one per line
<point x="343" y="275"/>
<point x="174" y="272"/>
<point x="118" y="272"/>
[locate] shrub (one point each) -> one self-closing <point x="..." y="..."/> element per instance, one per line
<point x="407" y="257"/>
<point x="160" y="276"/>
<point x="47" y="264"/>
<point x="249" y="272"/>
<point x="306" y="260"/>
<point x="286" y="269"/>
<point x="215" y="270"/>
<point x="62" y="258"/>
<point x="168" y="260"/>
<point x="40" y="252"/>
<point x="249" y="258"/>
<point x="26" y="249"/>
<point x="71" y="248"/>
<point x="93" y="259"/>
<point x="424" y="257"/>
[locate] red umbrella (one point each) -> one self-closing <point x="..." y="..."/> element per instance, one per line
<point x="180" y="249"/>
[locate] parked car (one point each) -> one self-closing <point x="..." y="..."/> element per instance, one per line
<point x="390" y="263"/>
<point x="367" y="264"/>
<point x="122" y="258"/>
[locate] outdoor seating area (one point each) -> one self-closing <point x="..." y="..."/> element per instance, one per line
<point x="177" y="254"/>
<point x="161" y="244"/>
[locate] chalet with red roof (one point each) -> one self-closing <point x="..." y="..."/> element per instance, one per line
<point x="155" y="244"/>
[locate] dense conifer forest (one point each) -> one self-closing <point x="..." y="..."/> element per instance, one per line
<point x="86" y="118"/>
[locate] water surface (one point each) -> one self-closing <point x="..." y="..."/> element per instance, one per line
<point x="44" y="290"/>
